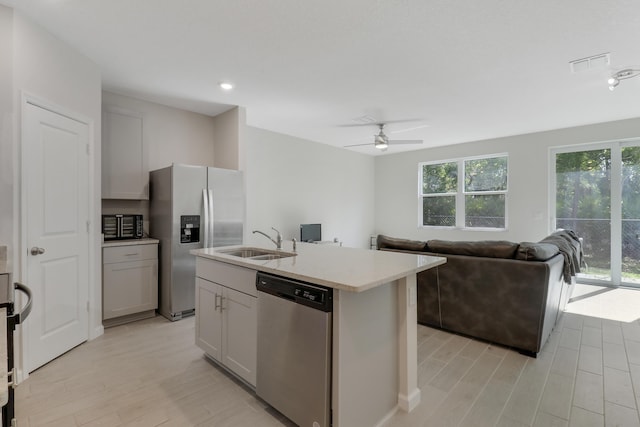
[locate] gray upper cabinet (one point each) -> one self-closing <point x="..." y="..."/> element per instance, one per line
<point x="125" y="172"/>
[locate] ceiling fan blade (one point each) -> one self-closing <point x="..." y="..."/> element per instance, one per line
<point x="357" y="145"/>
<point x="378" y="123"/>
<point x="405" y="141"/>
<point x="356" y="125"/>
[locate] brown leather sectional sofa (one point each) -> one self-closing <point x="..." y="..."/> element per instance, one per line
<point x="503" y="292"/>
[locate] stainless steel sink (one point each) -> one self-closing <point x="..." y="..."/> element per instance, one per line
<point x="257" y="253"/>
<point x="270" y="256"/>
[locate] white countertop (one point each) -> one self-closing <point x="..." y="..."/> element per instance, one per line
<point x="130" y="242"/>
<point x="349" y="269"/>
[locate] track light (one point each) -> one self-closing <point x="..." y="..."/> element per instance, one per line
<point x="628" y="73"/>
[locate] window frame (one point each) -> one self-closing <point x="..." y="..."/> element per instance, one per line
<point x="460" y="194"/>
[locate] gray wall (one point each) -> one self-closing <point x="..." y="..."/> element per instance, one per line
<point x="397" y="203"/>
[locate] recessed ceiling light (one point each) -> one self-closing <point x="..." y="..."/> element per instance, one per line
<point x="226" y="85"/>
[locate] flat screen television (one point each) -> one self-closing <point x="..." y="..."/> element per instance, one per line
<point x="310" y="232"/>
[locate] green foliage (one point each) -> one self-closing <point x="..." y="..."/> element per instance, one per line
<point x="439" y="211"/>
<point x="488" y="174"/>
<point x="583" y="184"/>
<point x="485" y="210"/>
<point x="631" y="182"/>
<point x="440" y="178"/>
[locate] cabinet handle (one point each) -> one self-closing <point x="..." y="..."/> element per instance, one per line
<point x="222" y="307"/>
<point x="216" y="306"/>
<point x="132" y="254"/>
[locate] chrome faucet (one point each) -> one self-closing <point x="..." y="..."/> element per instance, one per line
<point x="277" y="242"/>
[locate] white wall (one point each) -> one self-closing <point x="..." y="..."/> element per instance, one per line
<point x="397" y="203"/>
<point x="7" y="151"/>
<point x="291" y="181"/>
<point x="172" y="135"/>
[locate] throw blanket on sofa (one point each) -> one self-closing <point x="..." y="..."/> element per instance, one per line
<point x="569" y="245"/>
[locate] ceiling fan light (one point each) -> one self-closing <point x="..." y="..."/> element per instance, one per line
<point x="613" y="81"/>
<point x="381" y="145"/>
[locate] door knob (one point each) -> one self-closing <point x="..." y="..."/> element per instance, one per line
<point x="37" y="251"/>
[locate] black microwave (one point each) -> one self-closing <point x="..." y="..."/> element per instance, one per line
<point x="117" y="227"/>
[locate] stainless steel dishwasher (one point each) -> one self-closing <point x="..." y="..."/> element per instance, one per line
<point x="294" y="349"/>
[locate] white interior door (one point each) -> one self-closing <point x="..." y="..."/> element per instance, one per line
<point x="55" y="194"/>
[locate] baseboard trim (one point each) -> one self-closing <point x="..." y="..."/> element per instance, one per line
<point x="409" y="403"/>
<point x="387" y="417"/>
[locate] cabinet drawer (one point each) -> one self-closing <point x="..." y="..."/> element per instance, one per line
<point x="129" y="253"/>
<point x="229" y="275"/>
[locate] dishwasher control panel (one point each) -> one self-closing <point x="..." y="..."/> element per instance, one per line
<point x="311" y="295"/>
<point x="308" y="294"/>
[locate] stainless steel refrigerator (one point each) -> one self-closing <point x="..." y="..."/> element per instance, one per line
<point x="191" y="207"/>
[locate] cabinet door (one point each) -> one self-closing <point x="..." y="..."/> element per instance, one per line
<point x="129" y="287"/>
<point x="125" y="174"/>
<point x="240" y="334"/>
<point x="209" y="317"/>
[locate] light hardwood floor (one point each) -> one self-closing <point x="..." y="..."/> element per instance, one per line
<point x="150" y="373"/>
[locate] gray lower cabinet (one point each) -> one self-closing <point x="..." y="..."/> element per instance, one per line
<point x="129" y="282"/>
<point x="226" y="316"/>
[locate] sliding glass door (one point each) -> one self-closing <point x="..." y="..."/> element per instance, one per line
<point x="630" y="271"/>
<point x="597" y="194"/>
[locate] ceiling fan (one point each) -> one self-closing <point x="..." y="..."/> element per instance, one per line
<point x="382" y="141"/>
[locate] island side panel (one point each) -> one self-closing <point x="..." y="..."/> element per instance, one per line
<point x="408" y="392"/>
<point x="365" y="356"/>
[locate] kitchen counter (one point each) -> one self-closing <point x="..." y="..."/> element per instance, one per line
<point x="348" y="269"/>
<point x="374" y="323"/>
<point x="130" y="242"/>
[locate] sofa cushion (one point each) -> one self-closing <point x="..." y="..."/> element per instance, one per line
<point x="529" y="251"/>
<point x="386" y="242"/>
<point x="484" y="248"/>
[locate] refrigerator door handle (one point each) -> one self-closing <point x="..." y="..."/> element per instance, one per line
<point x="211" y="215"/>
<point x="205" y="202"/>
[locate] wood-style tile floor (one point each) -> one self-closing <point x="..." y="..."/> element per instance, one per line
<point x="150" y="373"/>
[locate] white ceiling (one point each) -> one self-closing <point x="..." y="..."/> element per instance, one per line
<point x="469" y="70"/>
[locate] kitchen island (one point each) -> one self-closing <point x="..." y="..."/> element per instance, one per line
<point x="374" y="339"/>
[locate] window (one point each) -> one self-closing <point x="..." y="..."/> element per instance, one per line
<point x="478" y="200"/>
